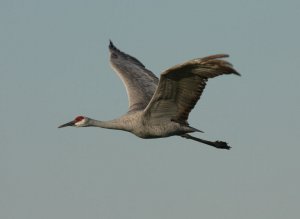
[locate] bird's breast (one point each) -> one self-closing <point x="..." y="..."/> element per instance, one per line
<point x="145" y="128"/>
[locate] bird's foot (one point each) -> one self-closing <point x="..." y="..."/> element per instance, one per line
<point x="221" y="145"/>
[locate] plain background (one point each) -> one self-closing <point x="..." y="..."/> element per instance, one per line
<point x="54" y="66"/>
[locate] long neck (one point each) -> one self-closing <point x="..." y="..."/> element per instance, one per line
<point x="112" y="124"/>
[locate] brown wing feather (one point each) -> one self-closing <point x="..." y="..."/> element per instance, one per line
<point x="181" y="86"/>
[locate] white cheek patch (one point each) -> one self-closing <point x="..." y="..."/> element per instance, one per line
<point x="80" y="123"/>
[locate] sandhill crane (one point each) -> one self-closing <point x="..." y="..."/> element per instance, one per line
<point x="160" y="107"/>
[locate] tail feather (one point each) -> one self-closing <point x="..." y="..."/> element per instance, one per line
<point x="196" y="130"/>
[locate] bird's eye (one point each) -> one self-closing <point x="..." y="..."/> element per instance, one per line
<point x="79" y="118"/>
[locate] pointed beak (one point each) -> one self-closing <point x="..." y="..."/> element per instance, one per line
<point x="72" y="123"/>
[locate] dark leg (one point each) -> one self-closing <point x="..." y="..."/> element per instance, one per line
<point x="216" y="144"/>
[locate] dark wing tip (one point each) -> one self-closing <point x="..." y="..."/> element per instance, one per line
<point x="236" y="73"/>
<point x="227" y="64"/>
<point x="116" y="53"/>
<point x="111" y="45"/>
<point x="228" y="69"/>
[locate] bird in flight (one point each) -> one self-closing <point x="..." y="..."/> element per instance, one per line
<point x="160" y="108"/>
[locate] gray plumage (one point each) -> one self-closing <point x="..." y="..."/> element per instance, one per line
<point x="160" y="107"/>
<point x="140" y="83"/>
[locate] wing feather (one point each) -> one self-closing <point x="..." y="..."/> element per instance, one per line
<point x="140" y="83"/>
<point x="181" y="86"/>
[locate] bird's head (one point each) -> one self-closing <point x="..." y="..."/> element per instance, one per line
<point x="79" y="121"/>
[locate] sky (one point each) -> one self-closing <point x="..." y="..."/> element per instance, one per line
<point x="54" y="66"/>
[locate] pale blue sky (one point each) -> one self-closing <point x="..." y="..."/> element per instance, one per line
<point x="54" y="66"/>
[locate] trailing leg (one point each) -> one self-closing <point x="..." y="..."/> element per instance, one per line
<point x="216" y="144"/>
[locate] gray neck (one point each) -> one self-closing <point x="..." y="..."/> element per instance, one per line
<point x="112" y="124"/>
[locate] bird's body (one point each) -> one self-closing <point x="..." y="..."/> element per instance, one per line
<point x="160" y="107"/>
<point x="136" y="123"/>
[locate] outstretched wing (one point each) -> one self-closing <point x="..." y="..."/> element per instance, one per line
<point x="181" y="86"/>
<point x="140" y="83"/>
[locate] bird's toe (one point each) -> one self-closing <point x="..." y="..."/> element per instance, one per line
<point x="222" y="145"/>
